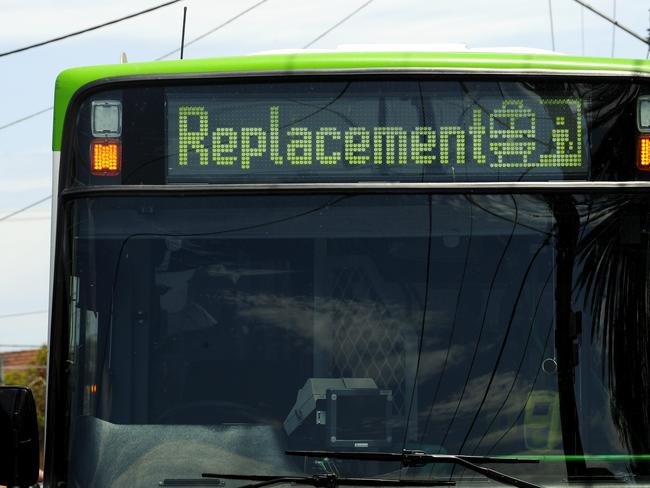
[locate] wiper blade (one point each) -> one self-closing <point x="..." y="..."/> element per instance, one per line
<point x="419" y="458"/>
<point x="412" y="458"/>
<point x="329" y="480"/>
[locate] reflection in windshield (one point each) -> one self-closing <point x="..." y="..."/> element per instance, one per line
<point x="614" y="276"/>
<point x="475" y="324"/>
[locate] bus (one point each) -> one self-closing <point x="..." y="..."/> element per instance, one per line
<point x="347" y="268"/>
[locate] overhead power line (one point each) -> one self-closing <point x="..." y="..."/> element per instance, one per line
<point x="27" y="117"/>
<point x="614" y="22"/>
<point x="21" y="210"/>
<point x="213" y="30"/>
<point x="614" y="29"/>
<point x="89" y="29"/>
<point x="550" y="18"/>
<point x="22" y="314"/>
<point x="339" y="23"/>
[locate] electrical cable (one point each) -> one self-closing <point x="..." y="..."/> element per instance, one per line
<point x="157" y="59"/>
<point x="27" y="117"/>
<point x="230" y="20"/>
<point x="89" y="29"/>
<point x="220" y="26"/>
<point x="550" y="17"/>
<point x="339" y="23"/>
<point x="614" y="29"/>
<point x="160" y="58"/>
<point x="27" y="207"/>
<point x="614" y="21"/>
<point x="22" y="314"/>
<point x="213" y="30"/>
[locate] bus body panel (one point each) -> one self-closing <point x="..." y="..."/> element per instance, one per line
<point x="70" y="81"/>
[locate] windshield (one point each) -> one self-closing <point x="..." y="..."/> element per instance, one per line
<point x="212" y="333"/>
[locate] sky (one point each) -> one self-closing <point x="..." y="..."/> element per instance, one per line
<point x="27" y="80"/>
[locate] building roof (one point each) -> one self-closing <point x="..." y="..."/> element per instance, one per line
<point x="18" y="359"/>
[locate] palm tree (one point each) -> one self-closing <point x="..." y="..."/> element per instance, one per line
<point x="614" y="279"/>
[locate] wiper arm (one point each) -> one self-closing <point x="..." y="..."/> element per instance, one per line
<point x="329" y="480"/>
<point x="419" y="458"/>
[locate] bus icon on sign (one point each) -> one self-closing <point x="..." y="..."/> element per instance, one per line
<point x="512" y="128"/>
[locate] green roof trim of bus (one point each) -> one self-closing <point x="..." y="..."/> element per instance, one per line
<point x="70" y="81"/>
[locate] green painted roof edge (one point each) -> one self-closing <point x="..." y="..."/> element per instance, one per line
<point x="70" y="81"/>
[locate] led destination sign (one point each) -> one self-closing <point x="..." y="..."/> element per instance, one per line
<point x="374" y="139"/>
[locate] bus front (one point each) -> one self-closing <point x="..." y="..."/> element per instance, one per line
<point x="356" y="261"/>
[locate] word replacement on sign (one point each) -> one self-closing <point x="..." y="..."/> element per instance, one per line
<point x="514" y="133"/>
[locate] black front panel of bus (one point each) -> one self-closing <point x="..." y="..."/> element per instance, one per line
<point x="341" y="130"/>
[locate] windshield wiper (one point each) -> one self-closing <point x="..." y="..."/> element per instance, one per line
<point x="329" y="480"/>
<point x="419" y="458"/>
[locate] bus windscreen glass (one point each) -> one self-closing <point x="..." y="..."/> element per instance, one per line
<point x="397" y="131"/>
